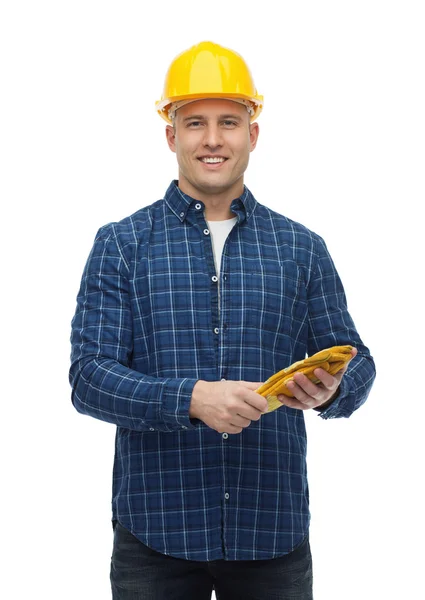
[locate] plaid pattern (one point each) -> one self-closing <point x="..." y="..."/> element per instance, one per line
<point x="148" y="326"/>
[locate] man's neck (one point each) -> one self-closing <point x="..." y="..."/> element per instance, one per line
<point x="217" y="206"/>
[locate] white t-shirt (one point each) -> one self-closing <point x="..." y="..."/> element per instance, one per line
<point x="219" y="231"/>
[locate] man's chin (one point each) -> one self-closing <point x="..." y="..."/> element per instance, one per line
<point x="215" y="187"/>
<point x="210" y="186"/>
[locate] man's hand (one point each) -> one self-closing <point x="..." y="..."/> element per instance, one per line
<point x="310" y="395"/>
<point x="227" y="406"/>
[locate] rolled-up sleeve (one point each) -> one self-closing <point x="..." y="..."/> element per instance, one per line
<point x="103" y="384"/>
<point x="330" y="324"/>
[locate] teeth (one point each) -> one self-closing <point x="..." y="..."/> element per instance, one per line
<point x="212" y="160"/>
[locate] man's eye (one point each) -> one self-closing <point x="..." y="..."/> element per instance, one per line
<point x="194" y="124"/>
<point x="229" y="123"/>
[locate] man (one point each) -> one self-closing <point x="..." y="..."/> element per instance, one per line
<point x="185" y="308"/>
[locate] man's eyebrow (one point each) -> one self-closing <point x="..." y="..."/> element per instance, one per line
<point x="236" y="117"/>
<point x="194" y="117"/>
<point x="201" y="117"/>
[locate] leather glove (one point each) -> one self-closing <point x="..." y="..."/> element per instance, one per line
<point x="331" y="360"/>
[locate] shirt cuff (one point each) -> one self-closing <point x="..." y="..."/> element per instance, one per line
<point x="176" y="400"/>
<point x="334" y="409"/>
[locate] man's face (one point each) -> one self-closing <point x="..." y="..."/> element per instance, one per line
<point x="212" y="140"/>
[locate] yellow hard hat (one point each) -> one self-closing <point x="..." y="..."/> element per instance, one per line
<point x="208" y="70"/>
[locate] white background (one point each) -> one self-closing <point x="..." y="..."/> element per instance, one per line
<point x="341" y="150"/>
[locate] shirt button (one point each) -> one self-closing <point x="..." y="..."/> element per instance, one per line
<point x="151" y="429"/>
<point x="214" y="278"/>
<point x="198" y="206"/>
<point x="216" y="330"/>
<point x="206" y="231"/>
<point x="226" y="495"/>
<point x="184" y="427"/>
<point x="223" y="379"/>
<point x="225" y="436"/>
<point x="182" y="214"/>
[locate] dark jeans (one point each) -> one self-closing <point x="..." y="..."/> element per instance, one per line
<point x="137" y="573"/>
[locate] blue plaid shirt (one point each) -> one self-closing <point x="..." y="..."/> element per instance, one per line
<point x="150" y="322"/>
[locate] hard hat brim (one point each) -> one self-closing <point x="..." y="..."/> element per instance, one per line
<point x="163" y="106"/>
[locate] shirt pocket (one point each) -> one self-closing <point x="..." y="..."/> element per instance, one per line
<point x="276" y="295"/>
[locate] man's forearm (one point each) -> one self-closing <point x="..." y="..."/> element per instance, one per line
<point x="106" y="390"/>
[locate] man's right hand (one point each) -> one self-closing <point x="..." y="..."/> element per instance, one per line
<point x="227" y="406"/>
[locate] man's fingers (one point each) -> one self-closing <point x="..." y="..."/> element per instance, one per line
<point x="252" y="412"/>
<point x="294" y="403"/>
<point x="306" y="399"/>
<point x="257" y="401"/>
<point x="308" y="394"/>
<point x="307" y="387"/>
<point x="240" y="421"/>
<point x="326" y="378"/>
<point x="253" y="399"/>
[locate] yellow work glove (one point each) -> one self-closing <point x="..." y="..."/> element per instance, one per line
<point x="331" y="360"/>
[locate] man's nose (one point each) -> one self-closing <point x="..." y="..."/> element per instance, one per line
<point x="213" y="135"/>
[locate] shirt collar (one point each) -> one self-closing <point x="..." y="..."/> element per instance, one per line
<point x="181" y="203"/>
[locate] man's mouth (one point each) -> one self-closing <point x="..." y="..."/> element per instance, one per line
<point x="212" y="160"/>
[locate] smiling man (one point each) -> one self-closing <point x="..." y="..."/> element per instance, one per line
<point x="185" y="308"/>
<point x="212" y="139"/>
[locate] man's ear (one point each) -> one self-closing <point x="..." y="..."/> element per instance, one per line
<point x="170" y="132"/>
<point x="254" y="131"/>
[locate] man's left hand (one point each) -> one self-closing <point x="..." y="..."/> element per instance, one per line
<point x="314" y="395"/>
